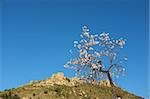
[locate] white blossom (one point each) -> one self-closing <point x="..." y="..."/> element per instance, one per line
<point x="112" y="47"/>
<point x="83" y="41"/>
<point x="81" y="36"/>
<point x="120" y="42"/>
<point x="78" y="46"/>
<point x="123" y="69"/>
<point x="74" y="62"/>
<point x="107" y="53"/>
<point x="75" y="45"/>
<point x="97" y="53"/>
<point x="90" y="48"/>
<point x="75" y="42"/>
<point x="70" y="51"/>
<point x="95" y="42"/>
<point x="85" y="29"/>
<point x="66" y="66"/>
<point x="92" y="41"/>
<point x="94" y="66"/>
<point x="125" y="58"/>
<point x="88" y="44"/>
<point x="83" y="52"/>
<point x="104" y="34"/>
<point x="96" y="35"/>
<point x="86" y="34"/>
<point x="100" y="65"/>
<point x="102" y="53"/>
<point x="91" y="57"/>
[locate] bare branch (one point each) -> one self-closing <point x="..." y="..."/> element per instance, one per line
<point x="111" y="66"/>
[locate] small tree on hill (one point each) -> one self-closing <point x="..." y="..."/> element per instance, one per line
<point x="97" y="55"/>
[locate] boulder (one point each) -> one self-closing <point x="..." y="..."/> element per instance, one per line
<point x="59" y="75"/>
<point x="105" y="82"/>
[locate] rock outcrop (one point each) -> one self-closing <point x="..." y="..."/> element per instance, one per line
<point x="105" y="83"/>
<point x="60" y="79"/>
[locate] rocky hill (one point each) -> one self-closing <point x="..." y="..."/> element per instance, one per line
<point x="60" y="87"/>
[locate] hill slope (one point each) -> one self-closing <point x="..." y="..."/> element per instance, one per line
<point x="60" y="87"/>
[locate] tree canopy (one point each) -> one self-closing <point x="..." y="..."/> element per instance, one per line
<point x="97" y="55"/>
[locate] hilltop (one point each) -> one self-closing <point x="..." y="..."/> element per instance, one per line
<point x="60" y="87"/>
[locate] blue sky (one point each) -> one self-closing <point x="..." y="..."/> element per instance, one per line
<point x="36" y="36"/>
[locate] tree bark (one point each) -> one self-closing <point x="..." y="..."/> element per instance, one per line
<point x="110" y="79"/>
<point x="108" y="76"/>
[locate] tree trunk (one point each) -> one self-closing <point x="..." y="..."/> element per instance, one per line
<point x="110" y="79"/>
<point x="108" y="76"/>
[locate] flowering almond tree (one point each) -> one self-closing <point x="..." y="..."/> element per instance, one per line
<point x="97" y="55"/>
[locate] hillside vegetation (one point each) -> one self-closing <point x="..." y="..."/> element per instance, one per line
<point x="60" y="87"/>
